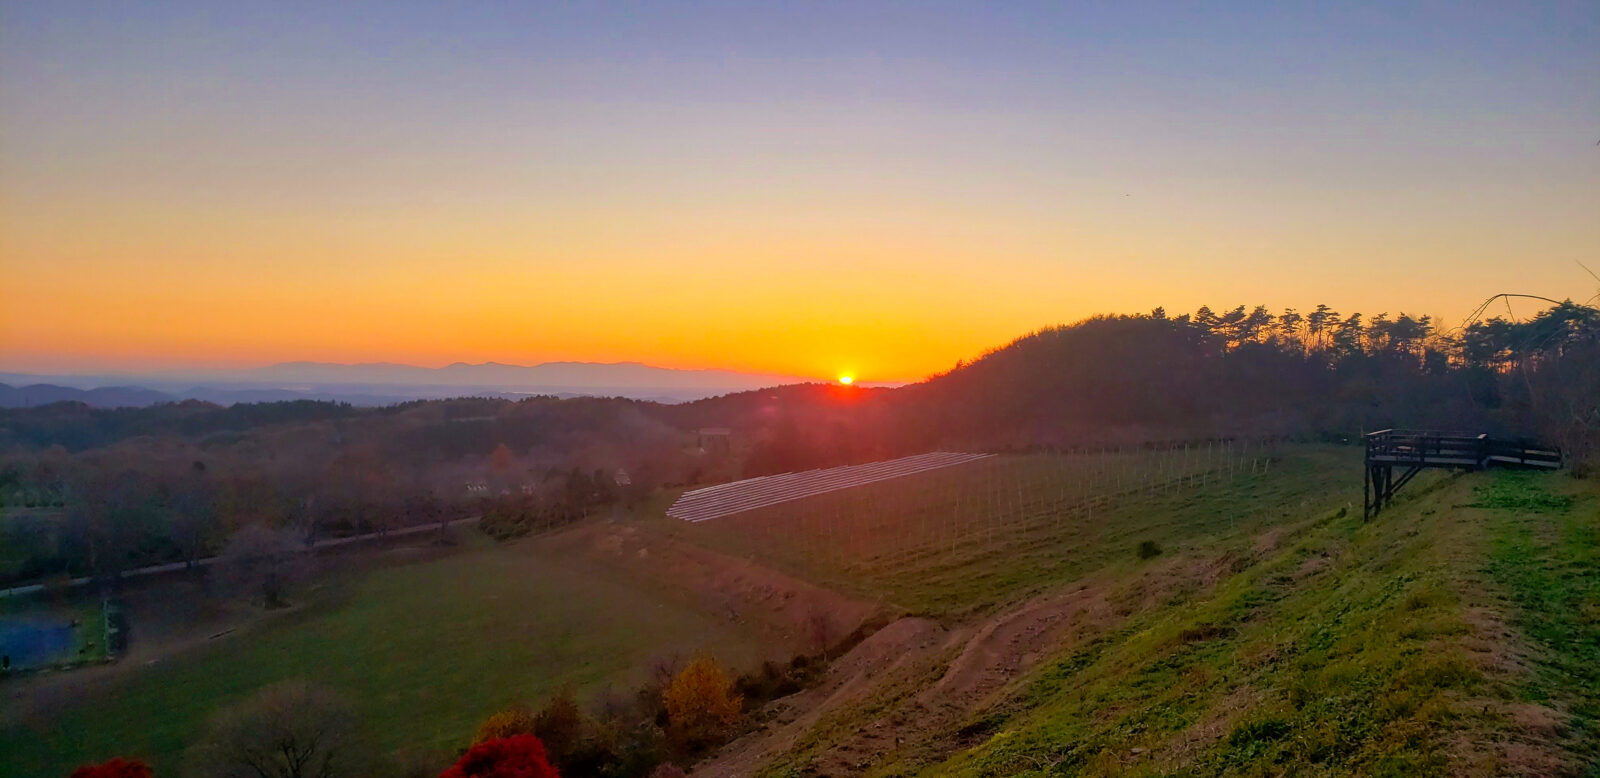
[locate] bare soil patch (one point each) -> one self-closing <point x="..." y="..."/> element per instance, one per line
<point x="978" y="663"/>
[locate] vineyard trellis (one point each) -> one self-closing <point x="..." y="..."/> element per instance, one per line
<point x="983" y="504"/>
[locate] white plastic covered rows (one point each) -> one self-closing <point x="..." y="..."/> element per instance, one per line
<point x="752" y="493"/>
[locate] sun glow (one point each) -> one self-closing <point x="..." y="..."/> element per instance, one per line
<point x="846" y="380"/>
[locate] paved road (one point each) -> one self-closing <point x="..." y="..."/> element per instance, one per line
<point x="17" y="591"/>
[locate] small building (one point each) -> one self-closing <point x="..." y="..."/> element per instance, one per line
<point x="714" y="440"/>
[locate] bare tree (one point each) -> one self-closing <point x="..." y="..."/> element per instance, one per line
<point x="263" y="561"/>
<point x="193" y="513"/>
<point x="288" y="730"/>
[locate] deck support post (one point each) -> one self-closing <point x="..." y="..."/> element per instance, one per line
<point x="1366" y="492"/>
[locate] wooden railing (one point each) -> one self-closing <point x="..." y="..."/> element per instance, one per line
<point x="1444" y="449"/>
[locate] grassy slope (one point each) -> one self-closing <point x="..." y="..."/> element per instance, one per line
<point x="1458" y="633"/>
<point x="1350" y="651"/>
<point x="424" y="650"/>
<point x="1546" y="559"/>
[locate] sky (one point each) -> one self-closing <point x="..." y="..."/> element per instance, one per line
<point x="812" y="189"/>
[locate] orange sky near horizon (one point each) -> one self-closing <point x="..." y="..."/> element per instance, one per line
<point x="812" y="287"/>
<point x="877" y="196"/>
<point x="882" y="303"/>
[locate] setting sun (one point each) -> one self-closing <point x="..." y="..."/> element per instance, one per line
<point x="844" y="379"/>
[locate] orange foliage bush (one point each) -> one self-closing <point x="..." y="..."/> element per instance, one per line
<point x="702" y="707"/>
<point x="515" y="720"/>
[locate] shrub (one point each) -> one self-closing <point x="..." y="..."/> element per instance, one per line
<point x="772" y="681"/>
<point x="702" y="708"/>
<point x="668" y="770"/>
<point x="289" y="730"/>
<point x="636" y="751"/>
<point x="653" y="692"/>
<point x="562" y="726"/>
<point x="1149" y="549"/>
<point x="505" y="520"/>
<point x="116" y="768"/>
<point x="515" y="720"/>
<point x="518" y="756"/>
<point x="616" y="710"/>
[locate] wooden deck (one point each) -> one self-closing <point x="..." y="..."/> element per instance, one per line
<point x="1414" y="451"/>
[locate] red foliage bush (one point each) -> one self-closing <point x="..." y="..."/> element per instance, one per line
<point x="116" y="768"/>
<point x="518" y="756"/>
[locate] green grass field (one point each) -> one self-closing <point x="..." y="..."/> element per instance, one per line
<point x="1458" y="633"/>
<point x="425" y="651"/>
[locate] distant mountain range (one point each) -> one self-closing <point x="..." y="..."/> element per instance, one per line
<point x="382" y="383"/>
<point x="100" y="397"/>
<point x="564" y="375"/>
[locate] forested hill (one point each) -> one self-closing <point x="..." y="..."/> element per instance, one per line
<point x="1131" y="378"/>
<point x="76" y="426"/>
<point x="1121" y="380"/>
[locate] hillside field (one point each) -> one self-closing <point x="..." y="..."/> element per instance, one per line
<point x="424" y="650"/>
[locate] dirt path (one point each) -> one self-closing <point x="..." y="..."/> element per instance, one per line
<point x="992" y="656"/>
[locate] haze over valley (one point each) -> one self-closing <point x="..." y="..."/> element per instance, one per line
<point x="381" y="384"/>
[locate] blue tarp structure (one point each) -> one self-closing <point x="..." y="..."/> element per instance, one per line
<point x="32" y="643"/>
